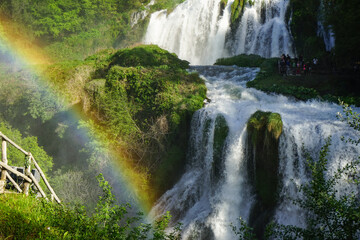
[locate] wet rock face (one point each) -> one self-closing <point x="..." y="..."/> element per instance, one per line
<point x="220" y="134"/>
<point x="264" y="130"/>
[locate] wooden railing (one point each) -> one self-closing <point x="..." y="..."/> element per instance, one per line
<point x="27" y="176"/>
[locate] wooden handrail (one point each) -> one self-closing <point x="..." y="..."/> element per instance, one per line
<point x="38" y="186"/>
<point x="10" y="169"/>
<point x="14" y="144"/>
<point x="13" y="182"/>
<point x="28" y="176"/>
<point x="45" y="180"/>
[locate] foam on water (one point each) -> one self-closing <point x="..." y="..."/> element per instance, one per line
<point x="205" y="207"/>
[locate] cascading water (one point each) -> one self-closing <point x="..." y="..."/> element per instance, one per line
<point x="263" y="30"/>
<point x="199" y="31"/>
<point x="325" y="31"/>
<point x="194" y="30"/>
<point x="207" y="204"/>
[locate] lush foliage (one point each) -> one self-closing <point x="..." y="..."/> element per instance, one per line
<point x="166" y="4"/>
<point x="147" y="103"/>
<point x="74" y="29"/>
<point x="149" y="56"/>
<point x="30" y="218"/>
<point x="141" y="101"/>
<point x="59" y="19"/>
<point x="142" y="98"/>
<point x="21" y="95"/>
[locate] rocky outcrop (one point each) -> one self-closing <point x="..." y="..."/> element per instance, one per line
<point x="220" y="134"/>
<point x="264" y="130"/>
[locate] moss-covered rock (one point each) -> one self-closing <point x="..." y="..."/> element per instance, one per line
<point x="95" y="86"/>
<point x="242" y="60"/>
<point x="237" y="9"/>
<point x="223" y="4"/>
<point x="147" y="56"/>
<point x="143" y="99"/>
<point x="220" y="134"/>
<point x="264" y="130"/>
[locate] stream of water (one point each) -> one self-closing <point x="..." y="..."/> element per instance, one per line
<point x="207" y="207"/>
<point x="200" y="32"/>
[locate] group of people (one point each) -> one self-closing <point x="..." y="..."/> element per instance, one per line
<point x="296" y="66"/>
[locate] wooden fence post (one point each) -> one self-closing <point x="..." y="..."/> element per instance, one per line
<point x="27" y="173"/>
<point x="5" y="161"/>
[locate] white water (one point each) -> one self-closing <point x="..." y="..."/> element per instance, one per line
<point x="197" y="30"/>
<point x="263" y="30"/>
<point x="193" y="30"/>
<point x="205" y="207"/>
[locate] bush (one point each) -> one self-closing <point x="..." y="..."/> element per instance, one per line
<point x="24" y="217"/>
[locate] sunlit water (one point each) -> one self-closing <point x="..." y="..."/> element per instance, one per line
<point x="207" y="208"/>
<point x="199" y="31"/>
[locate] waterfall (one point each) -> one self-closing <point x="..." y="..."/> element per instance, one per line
<point x="207" y="205"/>
<point x="263" y="30"/>
<point x="199" y="31"/>
<point x="325" y="31"/>
<point x="194" y="30"/>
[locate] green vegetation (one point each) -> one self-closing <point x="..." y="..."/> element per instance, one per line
<point x="236" y="10"/>
<point x="166" y="4"/>
<point x="148" y="102"/>
<point x="352" y="118"/>
<point x="242" y="60"/>
<point x="223" y="4"/>
<point x="328" y="87"/>
<point x="149" y="56"/>
<point x="264" y="130"/>
<point x="331" y="215"/>
<point x="304" y="30"/>
<point x="74" y="29"/>
<point x="140" y="100"/>
<point x="220" y="134"/>
<point x="243" y="232"/>
<point x="31" y="218"/>
<point x="143" y="100"/>
<point x="69" y="30"/>
<point x="304" y="26"/>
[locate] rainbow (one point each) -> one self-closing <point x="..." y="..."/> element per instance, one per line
<point x="30" y="57"/>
